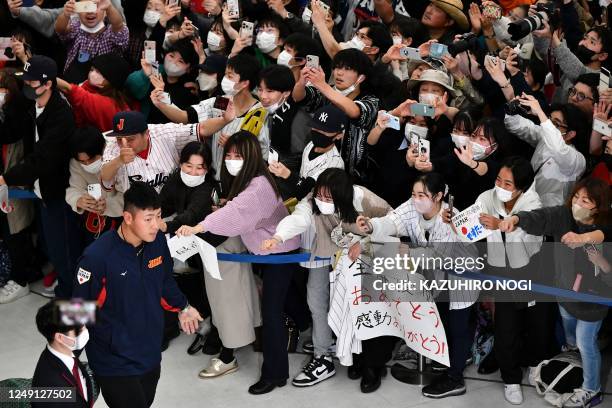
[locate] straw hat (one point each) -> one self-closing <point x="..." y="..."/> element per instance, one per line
<point x="454" y="9"/>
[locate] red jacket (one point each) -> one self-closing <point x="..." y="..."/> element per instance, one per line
<point x="91" y="108"/>
<point x="601" y="172"/>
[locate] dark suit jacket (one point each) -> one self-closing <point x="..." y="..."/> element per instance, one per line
<point x="52" y="372"/>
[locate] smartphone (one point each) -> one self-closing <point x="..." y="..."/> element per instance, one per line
<point x="155" y="67"/>
<point x="149" y="51"/>
<point x="414" y="141"/>
<point x="85" y="6"/>
<point x="451" y="204"/>
<point x="233" y="7"/>
<point x="246" y="30"/>
<point x="166" y="98"/>
<point x="420" y="109"/>
<point x="602" y="127"/>
<point x="6" y="49"/>
<point x="410" y="53"/>
<point x="312" y="61"/>
<point x="76" y="312"/>
<point x="172" y="2"/>
<point x="27" y="3"/>
<point x="221" y="103"/>
<point x="324" y="6"/>
<point x="437" y="50"/>
<point x="424" y="147"/>
<point x="393" y="122"/>
<point x="94" y="190"/>
<point x="604" y="80"/>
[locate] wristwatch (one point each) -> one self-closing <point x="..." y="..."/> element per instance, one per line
<point x="185" y="308"/>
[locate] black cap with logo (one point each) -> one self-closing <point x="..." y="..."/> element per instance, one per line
<point x="128" y="124"/>
<point x="40" y="68"/>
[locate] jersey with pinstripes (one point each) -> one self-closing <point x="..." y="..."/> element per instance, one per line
<point x="165" y="144"/>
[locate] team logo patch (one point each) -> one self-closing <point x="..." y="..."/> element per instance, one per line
<point x="155" y="262"/>
<point x="83" y="276"/>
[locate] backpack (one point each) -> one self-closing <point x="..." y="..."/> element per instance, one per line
<point x="556" y="379"/>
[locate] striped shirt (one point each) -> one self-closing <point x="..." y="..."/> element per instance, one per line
<point x="165" y="144"/>
<point x="205" y="111"/>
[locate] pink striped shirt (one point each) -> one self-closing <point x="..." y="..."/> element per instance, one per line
<point x="253" y="215"/>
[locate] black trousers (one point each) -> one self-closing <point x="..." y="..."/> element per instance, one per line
<point x="460" y="326"/>
<point x="276" y="283"/>
<point x="522" y="335"/>
<point x="376" y="351"/>
<point x="136" y="391"/>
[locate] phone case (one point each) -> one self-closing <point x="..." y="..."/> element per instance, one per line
<point x="312" y="61"/>
<point x="602" y="127"/>
<point x="149" y="50"/>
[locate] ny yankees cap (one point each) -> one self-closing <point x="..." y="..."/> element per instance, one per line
<point x="39" y="68"/>
<point x="128" y="123"/>
<point x="329" y="118"/>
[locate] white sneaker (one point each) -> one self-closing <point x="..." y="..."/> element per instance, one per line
<point x="513" y="394"/>
<point x="49" y="291"/>
<point x="13" y="291"/>
<point x="583" y="399"/>
<point x="532" y="372"/>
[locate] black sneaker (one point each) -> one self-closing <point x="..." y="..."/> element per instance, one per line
<point x="444" y="387"/>
<point x="308" y="347"/>
<point x="317" y="370"/>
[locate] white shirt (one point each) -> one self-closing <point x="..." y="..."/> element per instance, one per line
<point x="69" y="362"/>
<point x="39" y="111"/>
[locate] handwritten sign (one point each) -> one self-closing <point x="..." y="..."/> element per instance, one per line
<point x="377" y="313"/>
<point x="468" y="226"/>
<point x="183" y="248"/>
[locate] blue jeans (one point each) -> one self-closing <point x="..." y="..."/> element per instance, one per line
<point x="583" y="334"/>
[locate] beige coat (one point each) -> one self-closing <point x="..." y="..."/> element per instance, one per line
<point x="79" y="179"/>
<point x="23" y="210"/>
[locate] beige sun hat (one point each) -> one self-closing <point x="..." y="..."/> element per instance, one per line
<point x="436" y="76"/>
<point x="454" y="9"/>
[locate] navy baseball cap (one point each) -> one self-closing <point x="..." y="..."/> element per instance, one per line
<point x="40" y="68"/>
<point x="214" y="64"/>
<point x="128" y="124"/>
<point x="329" y="118"/>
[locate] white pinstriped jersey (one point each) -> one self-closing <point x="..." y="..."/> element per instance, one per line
<point x="206" y="111"/>
<point x="165" y="144"/>
<point x="313" y="168"/>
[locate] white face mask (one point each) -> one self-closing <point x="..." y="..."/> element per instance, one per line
<point x="78" y="342"/>
<point x="428" y="98"/>
<point x="356" y="43"/>
<point x="266" y="41"/>
<point x="214" y="41"/>
<point x="2" y="99"/>
<point x="460" y="140"/>
<point x="503" y="195"/>
<point x="284" y="58"/>
<point x="207" y="82"/>
<point x="397" y="39"/>
<point x="274" y="107"/>
<point x="92" y="168"/>
<point x="347" y="91"/>
<point x="93" y="30"/>
<point x="423" y="205"/>
<point x="478" y="151"/>
<point x="411" y="129"/>
<point x="151" y="17"/>
<point x="173" y="69"/>
<point x="325" y="207"/>
<point x="228" y="86"/>
<point x="192" y="181"/>
<point x="95" y="78"/>
<point x="234" y="166"/>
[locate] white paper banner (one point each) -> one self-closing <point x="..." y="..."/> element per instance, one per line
<point x="183" y="248"/>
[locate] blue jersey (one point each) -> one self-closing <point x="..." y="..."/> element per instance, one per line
<point x="132" y="286"/>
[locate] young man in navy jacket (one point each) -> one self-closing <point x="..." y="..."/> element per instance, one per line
<point x="129" y="273"/>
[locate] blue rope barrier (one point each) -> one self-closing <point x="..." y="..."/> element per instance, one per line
<point x="18" y="194"/>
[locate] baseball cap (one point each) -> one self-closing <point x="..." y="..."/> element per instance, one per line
<point x="214" y="64"/>
<point x="40" y="68"/>
<point x="128" y="123"/>
<point x="329" y="118"/>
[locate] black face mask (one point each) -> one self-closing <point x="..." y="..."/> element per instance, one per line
<point x="320" y="140"/>
<point x="584" y="54"/>
<point x="30" y="92"/>
<point x="607" y="159"/>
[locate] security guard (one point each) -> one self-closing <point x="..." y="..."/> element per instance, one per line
<point x="129" y="273"/>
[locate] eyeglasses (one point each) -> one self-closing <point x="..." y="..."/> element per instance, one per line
<point x="579" y="95"/>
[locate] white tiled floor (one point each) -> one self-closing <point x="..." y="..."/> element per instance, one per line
<point x="179" y="386"/>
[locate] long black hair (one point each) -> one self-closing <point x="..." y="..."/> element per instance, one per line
<point x="340" y="186"/>
<point x="246" y="144"/>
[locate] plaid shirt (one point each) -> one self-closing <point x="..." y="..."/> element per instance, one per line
<point x="94" y="44"/>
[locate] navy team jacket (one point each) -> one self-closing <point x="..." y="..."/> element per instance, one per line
<point x="132" y="292"/>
